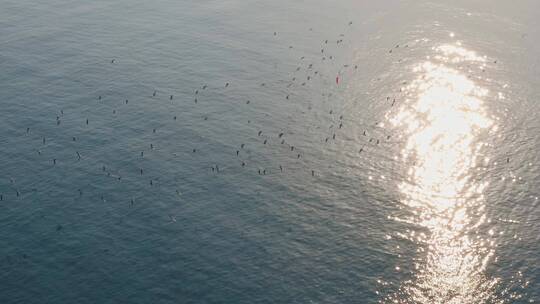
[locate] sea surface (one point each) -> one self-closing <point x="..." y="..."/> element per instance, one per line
<point x="269" y="151"/>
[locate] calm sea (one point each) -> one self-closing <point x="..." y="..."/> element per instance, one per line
<point x="269" y="151"/>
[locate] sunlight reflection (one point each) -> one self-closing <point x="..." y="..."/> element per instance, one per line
<point x="441" y="124"/>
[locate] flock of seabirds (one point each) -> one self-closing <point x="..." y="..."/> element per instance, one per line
<point x="310" y="70"/>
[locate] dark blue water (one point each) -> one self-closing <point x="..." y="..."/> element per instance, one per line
<point x="360" y="190"/>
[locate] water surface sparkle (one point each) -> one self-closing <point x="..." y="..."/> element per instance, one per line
<point x="441" y="122"/>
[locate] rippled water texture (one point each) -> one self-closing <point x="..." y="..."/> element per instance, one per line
<point x="269" y="152"/>
<point x="441" y="117"/>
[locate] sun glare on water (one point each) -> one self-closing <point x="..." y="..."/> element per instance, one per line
<point x="441" y="122"/>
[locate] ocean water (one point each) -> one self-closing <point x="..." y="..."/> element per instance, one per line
<point x="269" y="151"/>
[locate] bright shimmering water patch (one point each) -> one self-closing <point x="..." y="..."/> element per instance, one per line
<point x="440" y="125"/>
<point x="455" y="53"/>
